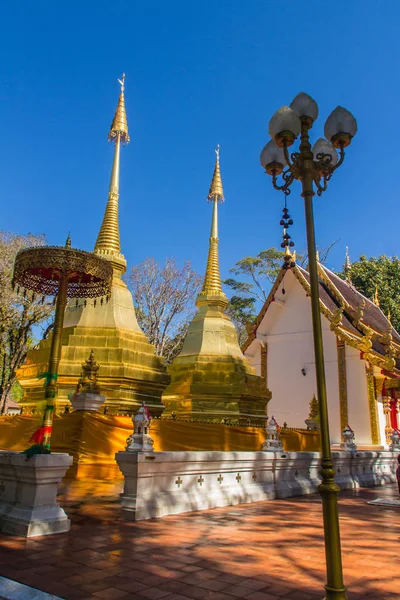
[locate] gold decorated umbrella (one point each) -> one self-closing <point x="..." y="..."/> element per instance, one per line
<point x="62" y="272"/>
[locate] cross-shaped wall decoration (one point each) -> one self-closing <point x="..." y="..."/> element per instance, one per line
<point x="179" y="481"/>
<point x="254" y="476"/>
<point x="238" y="477"/>
<point x="220" y="478"/>
<point x="296" y="473"/>
<point x="200" y="480"/>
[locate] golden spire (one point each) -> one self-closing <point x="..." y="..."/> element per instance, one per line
<point x="108" y="241"/>
<point x="375" y="299"/>
<point x="389" y="316"/>
<point x="212" y="280"/>
<point x="347" y="264"/>
<point x="216" y="192"/>
<point x="317" y="256"/>
<point x="119" y="125"/>
<point x="68" y="241"/>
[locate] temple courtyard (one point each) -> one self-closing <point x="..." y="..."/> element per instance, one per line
<point x="260" y="551"/>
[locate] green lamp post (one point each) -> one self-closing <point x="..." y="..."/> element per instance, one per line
<point x="313" y="167"/>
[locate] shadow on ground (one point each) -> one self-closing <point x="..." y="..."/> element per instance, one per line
<point x="261" y="551"/>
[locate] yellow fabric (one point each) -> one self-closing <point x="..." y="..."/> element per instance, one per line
<point x="93" y="439"/>
<point x="300" y="440"/>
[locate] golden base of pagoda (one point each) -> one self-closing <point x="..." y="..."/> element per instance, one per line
<point x="129" y="374"/>
<point x="215" y="388"/>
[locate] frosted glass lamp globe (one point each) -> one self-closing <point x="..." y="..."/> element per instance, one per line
<point x="340" y="127"/>
<point x="305" y="106"/>
<point x="272" y="158"/>
<point x="284" y="126"/>
<point x="322" y="146"/>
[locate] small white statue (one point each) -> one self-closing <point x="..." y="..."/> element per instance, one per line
<point x="348" y="444"/>
<point x="395" y="445"/>
<point x="273" y="442"/>
<point x="140" y="440"/>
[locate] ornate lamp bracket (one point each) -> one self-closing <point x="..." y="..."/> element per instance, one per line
<point x="324" y="169"/>
<point x="288" y="179"/>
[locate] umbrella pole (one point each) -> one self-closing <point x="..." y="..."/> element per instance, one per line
<point x="54" y="360"/>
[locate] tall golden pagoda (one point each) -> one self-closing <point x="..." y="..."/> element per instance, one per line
<point x="211" y="378"/>
<point x="130" y="371"/>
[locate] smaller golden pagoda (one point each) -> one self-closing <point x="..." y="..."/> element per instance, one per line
<point x="211" y="378"/>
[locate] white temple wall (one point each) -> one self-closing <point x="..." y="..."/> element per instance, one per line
<point x="357" y="397"/>
<point x="332" y="382"/>
<point x="255" y="359"/>
<point x="291" y="390"/>
<point x="287" y="329"/>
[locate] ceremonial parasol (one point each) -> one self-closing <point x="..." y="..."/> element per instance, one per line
<point x="62" y="272"/>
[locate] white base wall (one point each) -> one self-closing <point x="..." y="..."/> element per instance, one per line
<point x="165" y="483"/>
<point x="28" y="493"/>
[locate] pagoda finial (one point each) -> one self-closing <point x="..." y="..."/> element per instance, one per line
<point x="212" y="280"/>
<point x="347" y="264"/>
<point x="376" y="297"/>
<point x="216" y="192"/>
<point x="317" y="256"/>
<point x="68" y="241"/>
<point x="108" y="241"/>
<point x="119" y="126"/>
<point x="389" y="316"/>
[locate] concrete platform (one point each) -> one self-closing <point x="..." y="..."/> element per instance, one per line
<point x="261" y="551"/>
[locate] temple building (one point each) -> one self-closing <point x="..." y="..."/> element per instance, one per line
<point x="130" y="371"/>
<point x="211" y="379"/>
<point x="361" y="355"/>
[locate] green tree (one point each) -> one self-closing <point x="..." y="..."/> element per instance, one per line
<point x="19" y="315"/>
<point x="241" y="311"/>
<point x="382" y="276"/>
<point x="258" y="272"/>
<point x="254" y="276"/>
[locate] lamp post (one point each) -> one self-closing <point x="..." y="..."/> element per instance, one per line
<point x="313" y="167"/>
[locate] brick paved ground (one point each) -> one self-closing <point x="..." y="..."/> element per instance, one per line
<point x="262" y="551"/>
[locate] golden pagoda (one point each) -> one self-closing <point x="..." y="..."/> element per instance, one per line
<point x="130" y="371"/>
<point x="211" y="379"/>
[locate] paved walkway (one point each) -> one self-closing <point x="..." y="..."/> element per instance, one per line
<point x="262" y="551"/>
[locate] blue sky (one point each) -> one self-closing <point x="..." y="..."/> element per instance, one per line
<point x="198" y="74"/>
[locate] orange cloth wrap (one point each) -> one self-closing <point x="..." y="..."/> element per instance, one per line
<point x="93" y="439"/>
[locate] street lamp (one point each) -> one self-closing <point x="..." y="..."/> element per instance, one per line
<point x="314" y="167"/>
